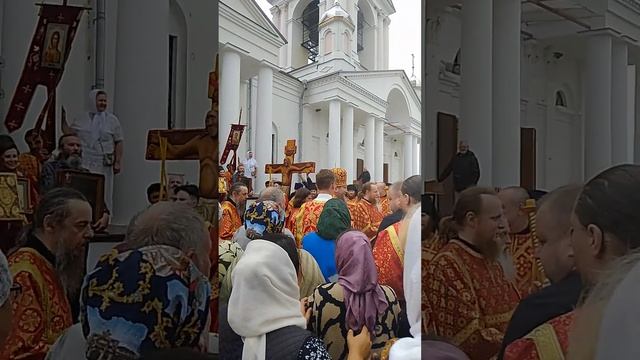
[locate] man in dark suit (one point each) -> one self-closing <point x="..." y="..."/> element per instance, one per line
<point x="465" y="168"/>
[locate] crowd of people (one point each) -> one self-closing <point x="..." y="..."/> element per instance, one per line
<point x="516" y="277"/>
<point x="313" y="275"/>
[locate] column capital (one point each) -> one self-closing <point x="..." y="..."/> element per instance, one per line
<point x="230" y="48"/>
<point x="607" y="31"/>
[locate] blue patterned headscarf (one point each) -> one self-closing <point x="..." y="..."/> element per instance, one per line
<point x="5" y="280"/>
<point x="144" y="299"/>
<point x="263" y="217"/>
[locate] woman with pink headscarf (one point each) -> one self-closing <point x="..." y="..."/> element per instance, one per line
<point x="355" y="300"/>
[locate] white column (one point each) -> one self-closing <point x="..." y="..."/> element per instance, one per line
<point x="379" y="150"/>
<point x="597" y="145"/>
<point x="380" y="54"/>
<point x="415" y="157"/>
<point x="376" y="44"/>
<point x="619" y="115"/>
<point x="229" y="102"/>
<point x="369" y="144"/>
<point x="506" y="93"/>
<point x="262" y="151"/>
<point x="307" y="133"/>
<point x="408" y="155"/>
<point x="284" y="20"/>
<point x="475" y="109"/>
<point x="346" y="150"/>
<point x="385" y="37"/>
<point x="334" y="133"/>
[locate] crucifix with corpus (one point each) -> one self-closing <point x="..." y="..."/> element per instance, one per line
<point x="193" y="144"/>
<point x="288" y="167"/>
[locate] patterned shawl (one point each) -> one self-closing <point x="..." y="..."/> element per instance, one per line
<point x="143" y="299"/>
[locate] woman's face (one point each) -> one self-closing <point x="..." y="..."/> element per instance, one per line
<point x="309" y="198"/>
<point x="10" y="160"/>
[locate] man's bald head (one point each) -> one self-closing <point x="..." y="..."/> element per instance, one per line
<point x="273" y="194"/>
<point x="558" y="206"/>
<point x="552" y="220"/>
<point x="513" y="199"/>
<point x="515" y="195"/>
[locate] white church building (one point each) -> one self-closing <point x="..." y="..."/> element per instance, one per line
<point x="543" y="91"/>
<point x="153" y="59"/>
<point x="318" y="72"/>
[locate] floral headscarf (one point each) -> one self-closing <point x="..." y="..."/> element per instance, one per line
<point x="5" y="280"/>
<point x="144" y="299"/>
<point x="263" y="217"/>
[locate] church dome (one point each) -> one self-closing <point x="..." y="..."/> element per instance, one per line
<point x="335" y="11"/>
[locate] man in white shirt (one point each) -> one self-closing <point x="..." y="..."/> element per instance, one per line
<point x="250" y="167"/>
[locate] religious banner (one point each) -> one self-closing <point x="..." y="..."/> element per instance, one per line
<point x="46" y="59"/>
<point x="233" y="142"/>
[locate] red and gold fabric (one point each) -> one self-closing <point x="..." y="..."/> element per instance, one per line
<point x="367" y="218"/>
<point x="41" y="312"/>
<point x="529" y="274"/>
<point x="230" y="221"/>
<point x="548" y="341"/>
<point x="384" y="206"/>
<point x="30" y="166"/>
<point x="388" y="255"/>
<point x="306" y="219"/>
<point x="468" y="300"/>
<point x="290" y="223"/>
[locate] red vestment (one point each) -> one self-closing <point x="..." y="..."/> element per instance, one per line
<point x="367" y="218"/>
<point x="548" y="341"/>
<point x="468" y="300"/>
<point x="230" y="221"/>
<point x="529" y="274"/>
<point x="306" y="220"/>
<point x="41" y="312"/>
<point x="388" y="255"/>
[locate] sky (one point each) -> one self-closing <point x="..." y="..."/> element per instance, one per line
<point x="404" y="34"/>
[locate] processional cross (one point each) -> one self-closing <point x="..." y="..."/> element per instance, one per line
<point x="288" y="168"/>
<point x="192" y="144"/>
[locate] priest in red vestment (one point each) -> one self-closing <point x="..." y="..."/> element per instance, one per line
<point x="604" y="227"/>
<point x="521" y="245"/>
<point x="367" y="217"/>
<point x="231" y="220"/>
<point x="47" y="269"/>
<point x="383" y="199"/>
<point x="469" y="301"/>
<point x="309" y="213"/>
<point x="388" y="249"/>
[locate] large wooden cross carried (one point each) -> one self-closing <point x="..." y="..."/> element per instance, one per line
<point x="288" y="168"/>
<point x="193" y="144"/>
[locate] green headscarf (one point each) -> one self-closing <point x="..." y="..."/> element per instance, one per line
<point x="334" y="219"/>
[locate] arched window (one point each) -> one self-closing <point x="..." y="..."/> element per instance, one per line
<point x="561" y="99"/>
<point x="328" y="42"/>
<point x="310" y="36"/>
<point x="346" y="43"/>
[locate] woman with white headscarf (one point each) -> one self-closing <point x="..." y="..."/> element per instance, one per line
<point x="102" y="141"/>
<point x="5" y="303"/>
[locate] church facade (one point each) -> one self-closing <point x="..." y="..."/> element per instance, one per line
<point x="317" y="71"/>
<point x="544" y="92"/>
<point x="156" y="56"/>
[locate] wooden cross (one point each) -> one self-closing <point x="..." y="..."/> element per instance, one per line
<point x="288" y="168"/>
<point x="194" y="144"/>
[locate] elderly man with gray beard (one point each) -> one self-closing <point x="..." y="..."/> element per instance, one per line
<point x="69" y="158"/>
